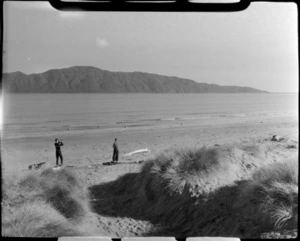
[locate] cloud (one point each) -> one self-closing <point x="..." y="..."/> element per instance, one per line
<point x="101" y="43"/>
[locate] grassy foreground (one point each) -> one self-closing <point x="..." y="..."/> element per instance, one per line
<point x="225" y="191"/>
<point x="49" y="203"/>
<point x="219" y="191"/>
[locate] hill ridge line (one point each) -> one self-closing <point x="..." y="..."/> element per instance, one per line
<point x="89" y="79"/>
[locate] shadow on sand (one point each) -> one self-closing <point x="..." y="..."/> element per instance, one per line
<point x="120" y="198"/>
<point x="179" y="216"/>
<point x="112" y="198"/>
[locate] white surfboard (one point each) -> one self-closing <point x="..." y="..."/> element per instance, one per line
<point x="136" y="152"/>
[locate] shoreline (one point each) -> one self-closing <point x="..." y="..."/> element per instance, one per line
<point x="161" y="124"/>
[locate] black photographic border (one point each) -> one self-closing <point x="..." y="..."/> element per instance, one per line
<point x="137" y="6"/>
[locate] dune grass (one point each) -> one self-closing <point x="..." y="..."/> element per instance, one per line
<point x="233" y="190"/>
<point x="270" y="197"/>
<point x="176" y="181"/>
<point x="201" y="170"/>
<point x="36" y="219"/>
<point x="214" y="191"/>
<point x="46" y="203"/>
<point x="65" y="193"/>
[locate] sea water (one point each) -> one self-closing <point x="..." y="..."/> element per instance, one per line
<point x="25" y="114"/>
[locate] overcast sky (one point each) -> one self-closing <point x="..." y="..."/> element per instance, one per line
<point x="256" y="47"/>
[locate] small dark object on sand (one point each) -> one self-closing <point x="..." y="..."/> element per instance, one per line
<point x="108" y="163"/>
<point x="276" y="138"/>
<point x="291" y="147"/>
<point x="36" y="166"/>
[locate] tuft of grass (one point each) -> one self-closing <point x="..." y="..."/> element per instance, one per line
<point x="37" y="219"/>
<point x="64" y="191"/>
<point x="283" y="172"/>
<point x="44" y="203"/>
<point x="270" y="197"/>
<point x="63" y="176"/>
<point x="199" y="170"/>
<point x="67" y="204"/>
<point x="30" y="182"/>
<point x="281" y="215"/>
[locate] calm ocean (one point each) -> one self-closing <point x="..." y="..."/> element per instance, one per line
<point x="30" y="113"/>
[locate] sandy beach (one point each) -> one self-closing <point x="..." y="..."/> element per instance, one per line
<point x="90" y="147"/>
<point x="85" y="151"/>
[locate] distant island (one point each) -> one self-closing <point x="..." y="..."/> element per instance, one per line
<point x="87" y="79"/>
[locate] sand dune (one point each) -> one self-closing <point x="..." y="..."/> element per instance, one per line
<point x="204" y="192"/>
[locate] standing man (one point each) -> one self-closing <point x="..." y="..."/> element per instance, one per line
<point x="58" y="143"/>
<point x="115" y="156"/>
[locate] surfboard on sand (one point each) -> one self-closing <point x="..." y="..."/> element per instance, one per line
<point x="136" y="152"/>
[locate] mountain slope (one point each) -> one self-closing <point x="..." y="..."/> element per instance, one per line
<point x="85" y="79"/>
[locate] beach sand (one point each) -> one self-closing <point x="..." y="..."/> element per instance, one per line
<point x="84" y="152"/>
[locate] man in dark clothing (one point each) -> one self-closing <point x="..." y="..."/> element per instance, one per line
<point x="58" y="143"/>
<point x="115" y="156"/>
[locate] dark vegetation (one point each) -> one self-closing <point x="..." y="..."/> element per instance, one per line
<point x="84" y="79"/>
<point x="49" y="203"/>
<point x="226" y="191"/>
